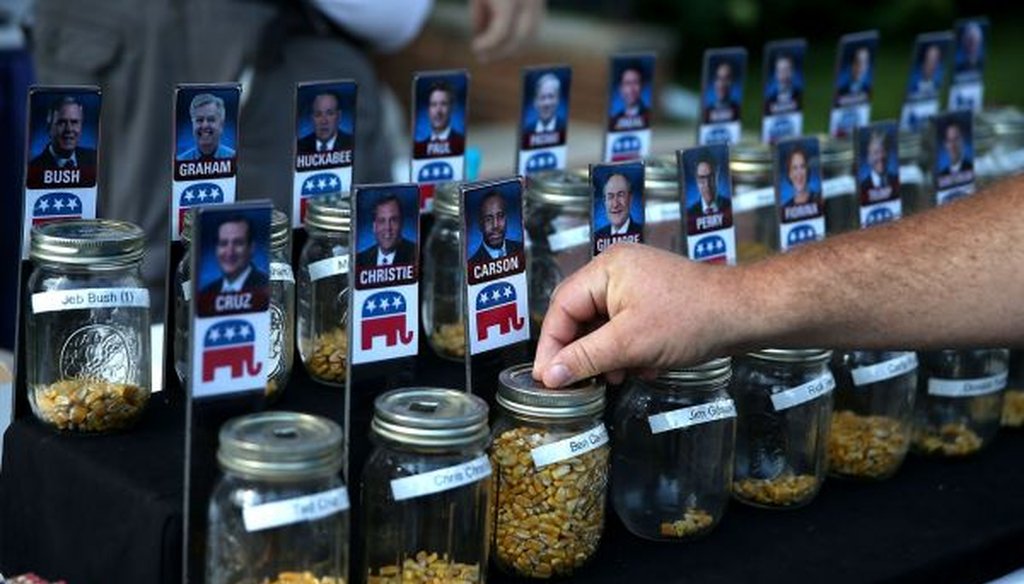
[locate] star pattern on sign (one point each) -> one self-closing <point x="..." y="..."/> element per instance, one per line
<point x="202" y="193"/>
<point x="801" y="234"/>
<point x="709" y="246"/>
<point x="229" y="332"/>
<point x="542" y="161"/>
<point x="626" y="144"/>
<point x="54" y="204"/>
<point x="436" y="171"/>
<point x="878" y="216"/>
<point x="495" y="294"/>
<point x="320" y="184"/>
<point x="383" y="303"/>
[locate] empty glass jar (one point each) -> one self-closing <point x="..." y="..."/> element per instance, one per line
<point x="753" y="206"/>
<point x="550" y="457"/>
<point x="873" y="415"/>
<point x="280" y="512"/>
<point x="87" y="325"/>
<point x="426" y="488"/>
<point x="444" y="278"/>
<point x="916" y="194"/>
<point x="960" y="400"/>
<point x="282" y="304"/>
<point x="783" y="403"/>
<point x="323" y="291"/>
<point x="673" y="456"/>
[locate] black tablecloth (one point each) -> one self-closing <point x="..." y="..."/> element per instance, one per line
<point x="108" y="509"/>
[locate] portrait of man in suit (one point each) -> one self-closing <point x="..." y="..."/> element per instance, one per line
<point x="492" y="217"/>
<point x="389" y="247"/>
<point x="64" y="121"/>
<point x="546" y="97"/>
<point x="785" y="92"/>
<point x="858" y="73"/>
<point x="970" y="52"/>
<point x="443" y="139"/>
<point x="234" y="253"/>
<point x="880" y="182"/>
<point x="618" y="197"/>
<point x="634" y="113"/>
<point x="703" y="214"/>
<point x="719" y="104"/>
<point x="207" y="114"/>
<point x="955" y="150"/>
<point x="325" y="113"/>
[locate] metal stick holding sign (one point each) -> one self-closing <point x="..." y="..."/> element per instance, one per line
<point x="230" y="324"/>
<point x="544" y="121"/>
<point x="722" y="95"/>
<point x="630" y="106"/>
<point x="439" y="124"/>
<point x="617" y="214"/>
<point x="798" y="194"/>
<point x="706" y="201"/>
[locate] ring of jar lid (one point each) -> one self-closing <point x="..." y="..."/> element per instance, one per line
<point x="520" y="393"/>
<point x="712" y="374"/>
<point x="91" y="243"/>
<point x="446" y="199"/>
<point x="330" y="213"/>
<point x="430" y="418"/>
<point x="568" y="189"/>
<point x="280" y="446"/>
<point x="792" y="355"/>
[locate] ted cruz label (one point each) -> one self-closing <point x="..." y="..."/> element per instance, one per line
<point x="87" y="298"/>
<point x="691" y="416"/>
<point x="331" y="266"/>
<point x="966" y="387"/>
<point x="795" y="396"/>
<point x="296" y="510"/>
<point x="905" y="363"/>
<point x="442" y="479"/>
<point x="570" y="447"/>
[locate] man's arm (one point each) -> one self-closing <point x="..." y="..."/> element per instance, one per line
<point x="946" y="278"/>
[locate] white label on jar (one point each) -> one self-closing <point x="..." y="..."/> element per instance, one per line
<point x="281" y="272"/>
<point x="905" y="363"/>
<point x="296" y="510"/>
<point x="186" y="290"/>
<point x="331" y="266"/>
<point x="87" y="298"/>
<point x="662" y="212"/>
<point x="691" y="416"/>
<point x="753" y="199"/>
<point x="442" y="479"/>
<point x="840" y="185"/>
<point x="795" y="396"/>
<point x="966" y="387"/>
<point x="579" y="235"/>
<point x="910" y="174"/>
<point x="570" y="447"/>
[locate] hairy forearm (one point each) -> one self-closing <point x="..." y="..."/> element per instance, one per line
<point x="949" y="277"/>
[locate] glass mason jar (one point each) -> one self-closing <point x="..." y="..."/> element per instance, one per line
<point x="323" y="291"/>
<point x="662" y="227"/>
<point x="1013" y="401"/>
<point x="960" y="400"/>
<point x="279" y="514"/>
<point x="753" y="206"/>
<point x="839" y="187"/>
<point x="87" y="325"/>
<point x="550" y="455"/>
<point x="444" y="278"/>
<point x="783" y="403"/>
<point x="426" y="488"/>
<point x="916" y="193"/>
<point x="674" y="442"/>
<point x="558" y="224"/>
<point x="282" y="304"/>
<point x="874" y="413"/>
<point x="1003" y="130"/>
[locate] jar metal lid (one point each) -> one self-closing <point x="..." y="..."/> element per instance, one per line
<point x="661" y="177"/>
<point x="330" y="214"/>
<point x="430" y="417"/>
<point x="446" y="199"/>
<point x="280" y="231"/>
<point x="792" y="355"/>
<point x="910" y="146"/>
<point x="561" y="188"/>
<point x="520" y="393"/>
<point x="95" y="243"/>
<point x="1003" y="121"/>
<point x="711" y="372"/>
<point x="280" y="446"/>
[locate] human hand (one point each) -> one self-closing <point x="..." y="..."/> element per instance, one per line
<point x="500" y="27"/>
<point x="636" y="308"/>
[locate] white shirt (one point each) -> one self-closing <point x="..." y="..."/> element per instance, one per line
<point x="441" y="136"/>
<point x="236" y="284"/>
<point x="876" y="179"/>
<point x="63" y="162"/>
<point x="708" y="209"/>
<point x="954" y="168"/>
<point x="326" y="146"/>
<point x="550" y="126"/>
<point x="621" y="230"/>
<point x="495" y="252"/>
<point x="385" y="259"/>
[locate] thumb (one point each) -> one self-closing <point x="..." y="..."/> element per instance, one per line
<point x="598" y="352"/>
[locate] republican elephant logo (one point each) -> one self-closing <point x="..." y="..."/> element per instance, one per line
<point x="711" y="249"/>
<point x="230" y="344"/>
<point x="801" y="234"/>
<point x="384" y="315"/>
<point x="626" y="148"/>
<point x="56" y="207"/>
<point x="317" y="185"/>
<point x="541" y="161"/>
<point x="436" y="172"/>
<point x="198" y="195"/>
<point x="879" y="216"/>
<point x="496" y="306"/>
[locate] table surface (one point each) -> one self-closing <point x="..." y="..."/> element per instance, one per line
<point x="108" y="509"/>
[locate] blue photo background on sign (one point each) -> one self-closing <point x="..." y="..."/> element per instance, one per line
<point x="784" y="151"/>
<point x="458" y="81"/>
<point x="737" y="60"/>
<point x="848" y="48"/>
<point x="962" y="119"/>
<point x="718" y="156"/>
<point x="971" y="35"/>
<point x="796" y="51"/>
<point x="39" y="107"/>
<point x="212" y="218"/>
<point x="512" y="192"/>
<point x="409" y="201"/>
<point x="531" y="77"/>
<point x="634" y="173"/>
<point x="927" y="46"/>
<point x="184" y="139"/>
<point x="344" y="91"/>
<point x="619" y="64"/>
<point x="892" y="159"/>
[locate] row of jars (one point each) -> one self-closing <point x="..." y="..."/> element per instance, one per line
<point x="443" y="493"/>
